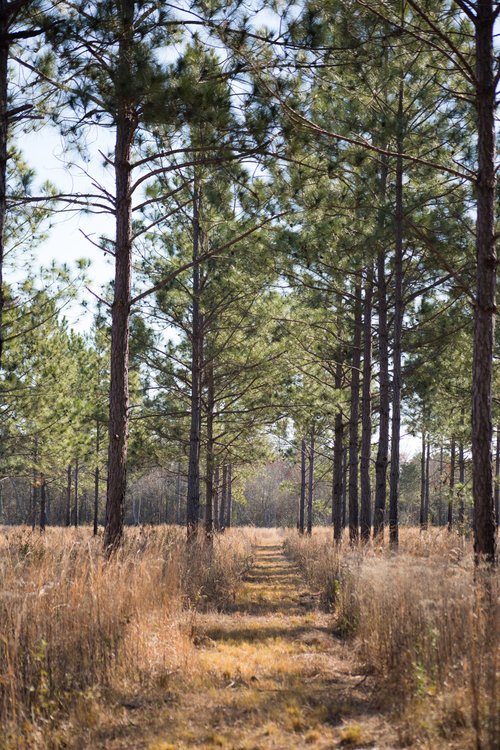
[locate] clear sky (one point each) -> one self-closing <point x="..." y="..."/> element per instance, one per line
<point x="66" y="241"/>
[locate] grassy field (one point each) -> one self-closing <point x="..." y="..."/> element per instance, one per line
<point x="424" y="622"/>
<point x="76" y="629"/>
<point x="268" y="641"/>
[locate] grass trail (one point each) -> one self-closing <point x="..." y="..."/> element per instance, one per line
<point x="267" y="674"/>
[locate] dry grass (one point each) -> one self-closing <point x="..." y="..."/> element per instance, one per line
<point x="73" y="624"/>
<point x="268" y="674"/>
<point x="424" y="621"/>
<point x="436" y="543"/>
<point x="169" y="645"/>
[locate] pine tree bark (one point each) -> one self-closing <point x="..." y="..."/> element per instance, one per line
<point x="338" y="455"/>
<point x="354" y="421"/>
<point x="451" y="497"/>
<point x="384" y="385"/>
<point x="193" y="490"/>
<point x="97" y="478"/>
<point x="126" y="124"/>
<point x="461" y="479"/>
<point x="229" y="514"/>
<point x="310" y="486"/>
<point x="423" y="519"/>
<point x="497" y="478"/>
<point x="34" y="500"/>
<point x="302" y="499"/>
<point x="178" y="490"/>
<point x="48" y="504"/>
<point x="68" y="497"/>
<point x="365" y="518"/>
<point x="427" y="482"/>
<point x="485" y="303"/>
<point x="34" y="495"/>
<point x="440" y="494"/>
<point x="76" y="508"/>
<point x="209" y="479"/>
<point x="345" y="475"/>
<point x="223" y="500"/>
<point x="216" y="498"/>
<point x="43" y="503"/>
<point x="398" y="328"/>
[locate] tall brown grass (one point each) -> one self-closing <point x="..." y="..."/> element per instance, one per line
<point x="424" y="622"/>
<point x="71" y="621"/>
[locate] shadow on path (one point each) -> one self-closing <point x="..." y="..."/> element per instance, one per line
<point x="268" y="675"/>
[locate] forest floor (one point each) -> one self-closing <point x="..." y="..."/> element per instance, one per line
<point x="268" y="674"/>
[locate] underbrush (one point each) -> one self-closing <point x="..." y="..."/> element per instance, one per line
<point x="211" y="575"/>
<point x="73" y="623"/>
<point x="425" y="623"/>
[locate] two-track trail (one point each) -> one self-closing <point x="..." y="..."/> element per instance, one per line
<point x="267" y="675"/>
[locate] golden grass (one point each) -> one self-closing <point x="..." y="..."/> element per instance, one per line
<point x="175" y="646"/>
<point x="424" y="621"/>
<point x="268" y="674"/>
<point x="73" y="624"/>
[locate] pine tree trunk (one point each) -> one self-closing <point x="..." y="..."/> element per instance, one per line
<point x="229" y="514"/>
<point x="484" y="310"/>
<point x="338" y="454"/>
<point x="384" y="389"/>
<point x="398" y="327"/>
<point x="43" y="503"/>
<point x="345" y="474"/>
<point x="427" y="483"/>
<point x="34" y="500"/>
<point x="461" y="479"/>
<point x="68" y="497"/>
<point x="34" y="496"/>
<point x="216" y="510"/>
<point x="452" y="484"/>
<point x="440" y="495"/>
<point x="96" y="478"/>
<point x="365" y="518"/>
<point x="48" y="504"/>
<point x="193" y="490"/>
<point x="310" y="487"/>
<point x="76" y="508"/>
<point x="497" y="479"/>
<point x="209" y="479"/>
<point x="354" y="421"/>
<point x="223" y="499"/>
<point x="96" y="501"/>
<point x="126" y="124"/>
<point x="178" y="489"/>
<point x="302" y="500"/>
<point x="423" y="520"/>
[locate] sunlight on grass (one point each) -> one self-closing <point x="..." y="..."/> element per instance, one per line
<point x="260" y="670"/>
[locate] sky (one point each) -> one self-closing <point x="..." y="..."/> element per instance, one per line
<point x="67" y="238"/>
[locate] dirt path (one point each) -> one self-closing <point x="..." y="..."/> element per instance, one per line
<point x="268" y="675"/>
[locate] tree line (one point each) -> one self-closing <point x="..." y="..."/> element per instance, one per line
<point x="303" y="244"/>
